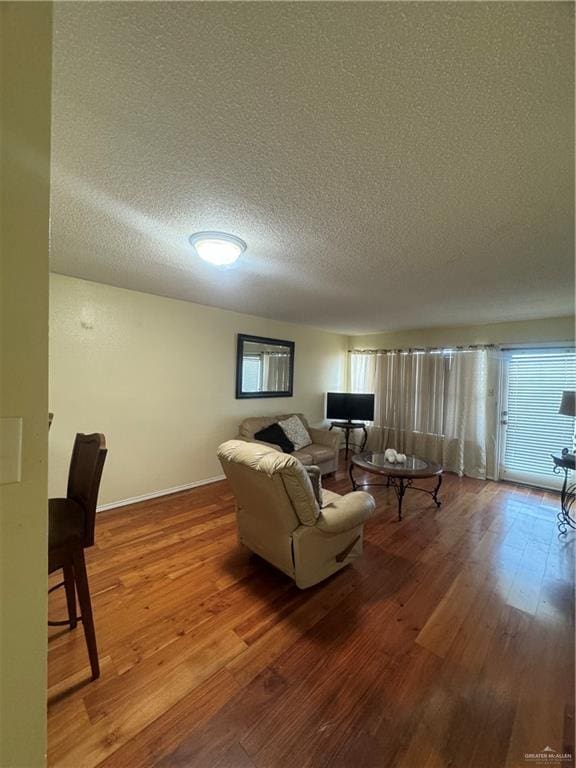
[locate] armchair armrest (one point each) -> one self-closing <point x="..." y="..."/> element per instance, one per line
<point x="346" y="513"/>
<point x="258" y="442"/>
<point x="324" y="437"/>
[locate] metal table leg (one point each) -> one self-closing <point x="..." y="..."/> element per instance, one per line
<point x="435" y="491"/>
<point x="354" y="486"/>
<point x="567" y="497"/>
<point x="400" y="485"/>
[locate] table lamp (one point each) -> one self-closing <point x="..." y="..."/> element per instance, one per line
<point x="568" y="408"/>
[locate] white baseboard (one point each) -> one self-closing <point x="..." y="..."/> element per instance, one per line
<point x="157" y="494"/>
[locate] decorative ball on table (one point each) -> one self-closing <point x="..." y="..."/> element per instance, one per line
<point x="393" y="457"/>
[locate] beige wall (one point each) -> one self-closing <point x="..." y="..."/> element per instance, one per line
<point x="527" y="332"/>
<point x="26" y="45"/>
<point x="157" y="376"/>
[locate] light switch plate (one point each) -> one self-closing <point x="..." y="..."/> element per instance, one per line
<point x="10" y="450"/>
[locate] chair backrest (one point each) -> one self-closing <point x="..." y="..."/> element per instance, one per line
<point x="269" y="484"/>
<point x="84" y="477"/>
<point x="253" y="424"/>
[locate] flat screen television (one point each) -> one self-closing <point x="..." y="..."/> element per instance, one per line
<point x="346" y="406"/>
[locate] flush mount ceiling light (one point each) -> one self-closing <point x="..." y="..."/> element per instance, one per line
<point x="217" y="248"/>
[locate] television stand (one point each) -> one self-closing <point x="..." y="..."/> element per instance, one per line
<point x="348" y="426"/>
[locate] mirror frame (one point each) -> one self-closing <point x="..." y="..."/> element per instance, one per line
<point x="243" y="337"/>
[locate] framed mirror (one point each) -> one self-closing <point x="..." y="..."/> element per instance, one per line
<point x="264" y="367"/>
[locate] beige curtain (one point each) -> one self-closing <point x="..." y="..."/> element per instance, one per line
<point x="465" y="427"/>
<point x="428" y="404"/>
<point x="361" y="372"/>
<point x="275" y="372"/>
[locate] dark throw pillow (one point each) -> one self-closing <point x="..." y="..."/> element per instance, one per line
<point x="275" y="434"/>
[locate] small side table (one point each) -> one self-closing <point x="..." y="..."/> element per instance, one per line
<point x="348" y="426"/>
<point x="565" y="463"/>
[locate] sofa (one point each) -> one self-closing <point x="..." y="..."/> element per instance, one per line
<point x="322" y="453"/>
<point x="306" y="534"/>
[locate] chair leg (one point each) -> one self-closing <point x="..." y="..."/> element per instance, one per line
<point x="81" y="578"/>
<point x="70" y="595"/>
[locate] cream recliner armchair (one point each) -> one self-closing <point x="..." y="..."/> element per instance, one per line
<point x="280" y="519"/>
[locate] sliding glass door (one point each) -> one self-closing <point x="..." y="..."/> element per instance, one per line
<point x="531" y="427"/>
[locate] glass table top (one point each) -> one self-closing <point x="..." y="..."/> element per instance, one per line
<point x="412" y="463"/>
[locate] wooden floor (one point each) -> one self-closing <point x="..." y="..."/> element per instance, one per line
<point x="449" y="644"/>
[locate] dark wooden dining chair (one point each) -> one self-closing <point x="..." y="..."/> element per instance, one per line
<point x="71" y="524"/>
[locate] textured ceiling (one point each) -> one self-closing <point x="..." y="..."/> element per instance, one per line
<point x="390" y="165"/>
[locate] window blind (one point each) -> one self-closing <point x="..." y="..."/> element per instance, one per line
<point x="535" y="429"/>
<point x="251" y="373"/>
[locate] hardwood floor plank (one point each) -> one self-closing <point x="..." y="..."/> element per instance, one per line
<point x="207" y="746"/>
<point x="442" y="626"/>
<point x="164" y="734"/>
<point x="285" y="633"/>
<point x="122" y="708"/>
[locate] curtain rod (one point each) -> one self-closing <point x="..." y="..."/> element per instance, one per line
<point x="454" y="348"/>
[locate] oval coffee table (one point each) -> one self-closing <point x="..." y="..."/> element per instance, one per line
<point x="399" y="476"/>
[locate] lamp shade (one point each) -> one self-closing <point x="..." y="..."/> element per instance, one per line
<point x="568" y="404"/>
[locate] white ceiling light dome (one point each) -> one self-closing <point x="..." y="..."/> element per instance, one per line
<point x="217" y="248"/>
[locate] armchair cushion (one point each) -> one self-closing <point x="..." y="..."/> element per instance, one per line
<point x="328" y="497"/>
<point x="345" y="512"/>
<point x="275" y="435"/>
